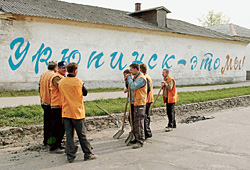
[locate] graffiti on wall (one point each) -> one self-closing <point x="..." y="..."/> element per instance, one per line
<point x="96" y="59"/>
<point x="237" y="65"/>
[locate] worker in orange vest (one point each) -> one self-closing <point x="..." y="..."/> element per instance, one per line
<point x="58" y="131"/>
<point x="44" y="91"/>
<point x="170" y="97"/>
<point x="150" y="100"/>
<point x="73" y="112"/>
<point x="138" y="88"/>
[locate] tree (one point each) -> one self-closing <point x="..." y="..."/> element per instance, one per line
<point x="213" y="18"/>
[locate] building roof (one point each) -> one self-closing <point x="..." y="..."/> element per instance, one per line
<point x="191" y="29"/>
<point x="151" y="9"/>
<point x="92" y="14"/>
<point x="232" y="29"/>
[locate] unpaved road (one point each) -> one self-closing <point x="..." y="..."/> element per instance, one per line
<point x="222" y="143"/>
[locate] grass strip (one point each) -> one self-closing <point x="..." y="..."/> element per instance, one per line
<point x="31" y="115"/>
<point x="19" y="93"/>
<point x="34" y="92"/>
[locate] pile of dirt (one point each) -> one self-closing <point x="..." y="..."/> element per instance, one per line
<point x="192" y="119"/>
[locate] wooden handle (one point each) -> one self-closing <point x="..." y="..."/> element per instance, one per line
<point x="105" y="111"/>
<point x="130" y="114"/>
<point x="155" y="100"/>
<point x="124" y="116"/>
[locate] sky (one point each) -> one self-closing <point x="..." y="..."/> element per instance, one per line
<point x="185" y="10"/>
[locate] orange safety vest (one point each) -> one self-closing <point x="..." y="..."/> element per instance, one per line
<point x="44" y="86"/>
<point x="72" y="98"/>
<point x="172" y="94"/>
<point x="150" y="96"/>
<point x="140" y="95"/>
<point x="55" y="95"/>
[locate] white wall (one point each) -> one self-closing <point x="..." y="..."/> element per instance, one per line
<point x="86" y="40"/>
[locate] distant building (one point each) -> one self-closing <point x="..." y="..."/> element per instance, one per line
<point x="106" y="41"/>
<point x="238" y="32"/>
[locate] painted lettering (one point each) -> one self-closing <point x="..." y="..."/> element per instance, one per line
<point x="165" y="61"/>
<point x="119" y="61"/>
<point x="207" y="62"/>
<point x="73" y="55"/>
<point x="216" y="63"/>
<point x="237" y="65"/>
<point x="193" y="61"/>
<point x="19" y="55"/>
<point x="154" y="58"/>
<point x="97" y="58"/>
<point x="135" y="53"/>
<point x="182" y="61"/>
<point x="38" y="58"/>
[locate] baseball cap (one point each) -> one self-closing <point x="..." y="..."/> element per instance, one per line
<point x="52" y="63"/>
<point x="62" y="64"/>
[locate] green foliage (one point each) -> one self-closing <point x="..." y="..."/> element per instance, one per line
<point x="212" y="18"/>
<point x="15" y="93"/>
<point x="22" y="115"/>
<point x="18" y="93"/>
<point x="30" y="115"/>
<point x="104" y="90"/>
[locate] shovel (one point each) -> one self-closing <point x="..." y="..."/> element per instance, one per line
<point x="117" y="122"/>
<point x="155" y="101"/>
<point x="131" y="136"/>
<point x="120" y="132"/>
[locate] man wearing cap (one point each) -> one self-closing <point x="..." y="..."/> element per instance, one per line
<point x="45" y="98"/>
<point x="73" y="112"/>
<point x="170" y="97"/>
<point x="139" y="87"/>
<point x="150" y="99"/>
<point x="56" y="109"/>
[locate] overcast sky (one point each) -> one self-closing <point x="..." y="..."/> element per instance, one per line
<point x="186" y="10"/>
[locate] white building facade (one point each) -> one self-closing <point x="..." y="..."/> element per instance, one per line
<point x="104" y="51"/>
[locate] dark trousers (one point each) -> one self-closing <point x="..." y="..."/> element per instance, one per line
<point x="58" y="131"/>
<point x="139" y="115"/>
<point x="171" y="115"/>
<point x="79" y="126"/>
<point x="46" y="123"/>
<point x="147" y="129"/>
<point x="132" y="113"/>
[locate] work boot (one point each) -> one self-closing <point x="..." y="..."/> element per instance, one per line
<point x="148" y="136"/>
<point x="61" y="147"/>
<point x="57" y="150"/>
<point x="71" y="160"/>
<point x="168" y="129"/>
<point x="132" y="142"/>
<point x="90" y="157"/>
<point x="137" y="145"/>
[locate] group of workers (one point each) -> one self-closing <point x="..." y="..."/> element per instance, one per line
<point x="139" y="84"/>
<point x="64" y="112"/>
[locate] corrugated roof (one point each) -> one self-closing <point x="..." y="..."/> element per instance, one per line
<point x="70" y="11"/>
<point x="191" y="29"/>
<point x="85" y="13"/>
<point x="232" y="29"/>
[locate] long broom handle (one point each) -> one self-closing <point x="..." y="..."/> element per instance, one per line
<point x="155" y="100"/>
<point x="124" y="116"/>
<point x="105" y="111"/>
<point x="130" y="114"/>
